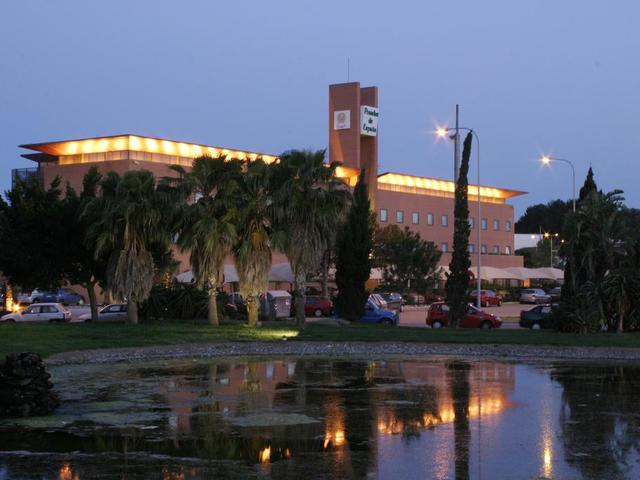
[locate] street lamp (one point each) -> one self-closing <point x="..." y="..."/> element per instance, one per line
<point x="546" y="160"/>
<point x="550" y="237"/>
<point x="442" y="133"/>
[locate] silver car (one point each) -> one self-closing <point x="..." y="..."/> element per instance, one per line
<point x="115" y="312"/>
<point x="40" y="312"/>
<point x="534" y="295"/>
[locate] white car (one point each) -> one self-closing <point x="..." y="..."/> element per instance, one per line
<point x="109" y="313"/>
<point x="40" y="312"/>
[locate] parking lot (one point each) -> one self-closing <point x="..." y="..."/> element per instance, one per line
<point x="509" y="312"/>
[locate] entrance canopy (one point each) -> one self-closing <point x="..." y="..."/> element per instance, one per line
<point x="513" y="273"/>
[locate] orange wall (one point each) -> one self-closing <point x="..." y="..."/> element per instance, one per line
<point x="424" y="204"/>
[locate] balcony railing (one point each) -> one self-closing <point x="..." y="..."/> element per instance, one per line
<point x="25" y="175"/>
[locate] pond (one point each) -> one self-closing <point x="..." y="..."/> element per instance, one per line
<point x="330" y="418"/>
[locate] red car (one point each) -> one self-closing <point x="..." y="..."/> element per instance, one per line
<point x="315" y="306"/>
<point x="488" y="298"/>
<point x="438" y="317"/>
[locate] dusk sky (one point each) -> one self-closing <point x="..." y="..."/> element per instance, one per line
<point x="558" y="77"/>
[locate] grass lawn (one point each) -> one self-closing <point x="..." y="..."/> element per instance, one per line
<point x="48" y="339"/>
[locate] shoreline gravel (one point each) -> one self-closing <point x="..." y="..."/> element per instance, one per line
<point x="353" y="349"/>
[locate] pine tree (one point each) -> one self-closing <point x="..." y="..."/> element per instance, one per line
<point x="457" y="286"/>
<point x="588" y="186"/>
<point x="353" y="262"/>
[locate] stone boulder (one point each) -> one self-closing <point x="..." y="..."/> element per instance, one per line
<point x="25" y="387"/>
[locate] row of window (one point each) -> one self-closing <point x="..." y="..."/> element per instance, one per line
<point x="444" y="247"/>
<point x="444" y="220"/>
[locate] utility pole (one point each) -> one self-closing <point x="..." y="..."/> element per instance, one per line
<point x="456" y="146"/>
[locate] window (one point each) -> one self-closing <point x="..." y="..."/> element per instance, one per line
<point x="400" y="216"/>
<point x="444" y="247"/>
<point x="507" y="250"/>
<point x="483" y="224"/>
<point x="429" y="218"/>
<point x="415" y="218"/>
<point x="471" y="222"/>
<point x="483" y="249"/>
<point x="384" y="215"/>
<point x="444" y="220"/>
<point x="472" y="248"/>
<point x="496" y="224"/>
<point x="32" y="310"/>
<point x="507" y="225"/>
<point x="496" y="250"/>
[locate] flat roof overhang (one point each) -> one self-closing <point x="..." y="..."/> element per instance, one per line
<point x="440" y="185"/>
<point x="142" y="144"/>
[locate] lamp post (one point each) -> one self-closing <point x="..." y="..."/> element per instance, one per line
<point x="546" y="159"/>
<point x="442" y="132"/>
<point x="550" y="237"/>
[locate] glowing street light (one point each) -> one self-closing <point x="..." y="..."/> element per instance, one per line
<point x="547" y="160"/>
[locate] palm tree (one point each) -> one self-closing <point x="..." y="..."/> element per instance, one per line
<point x="133" y="219"/>
<point x="255" y="233"/>
<point x="208" y="227"/>
<point x="310" y="205"/>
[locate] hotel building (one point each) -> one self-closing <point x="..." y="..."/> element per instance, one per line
<point x="423" y="204"/>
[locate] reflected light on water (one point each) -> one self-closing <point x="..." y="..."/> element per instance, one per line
<point x="393" y="426"/>
<point x="265" y="454"/>
<point x="66" y="473"/>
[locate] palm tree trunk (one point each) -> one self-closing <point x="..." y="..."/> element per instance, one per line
<point x="132" y="312"/>
<point x="324" y="278"/>
<point x="299" y="282"/>
<point x="213" y="307"/>
<point x="93" y="304"/>
<point x="253" y="306"/>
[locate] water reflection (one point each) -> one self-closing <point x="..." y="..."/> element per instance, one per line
<point x="329" y="418"/>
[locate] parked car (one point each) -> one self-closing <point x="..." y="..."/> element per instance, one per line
<point x="374" y="314"/>
<point x="534" y="295"/>
<point x="432" y="297"/>
<point x="555" y="294"/>
<point x="114" y="312"/>
<point x="488" y="298"/>
<point x="394" y="301"/>
<point x="378" y="300"/>
<point x="438" y="317"/>
<point x="40" y="312"/>
<point x="540" y="316"/>
<point x="315" y="306"/>
<point x="66" y="296"/>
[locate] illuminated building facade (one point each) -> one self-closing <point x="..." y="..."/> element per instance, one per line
<point x="422" y="204"/>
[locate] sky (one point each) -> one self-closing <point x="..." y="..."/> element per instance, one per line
<point x="543" y="76"/>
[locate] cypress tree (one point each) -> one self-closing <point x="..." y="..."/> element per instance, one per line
<point x="353" y="262"/>
<point x="457" y="286"/>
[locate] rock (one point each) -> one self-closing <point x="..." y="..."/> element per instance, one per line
<point x="25" y="388"/>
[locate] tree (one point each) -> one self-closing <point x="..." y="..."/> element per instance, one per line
<point x="310" y="204"/>
<point x="588" y="186"/>
<point x="256" y="234"/>
<point x="593" y="247"/>
<point x="353" y="256"/>
<point x="457" y="286"/>
<point x="85" y="267"/>
<point x="32" y="235"/>
<point x="132" y="218"/>
<point x="208" y="225"/>
<point x="407" y="261"/>
<point x="36" y="247"/>
<point x="542" y="217"/>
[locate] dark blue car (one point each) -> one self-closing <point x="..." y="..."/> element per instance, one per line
<point x="66" y="296"/>
<point x="375" y="314"/>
